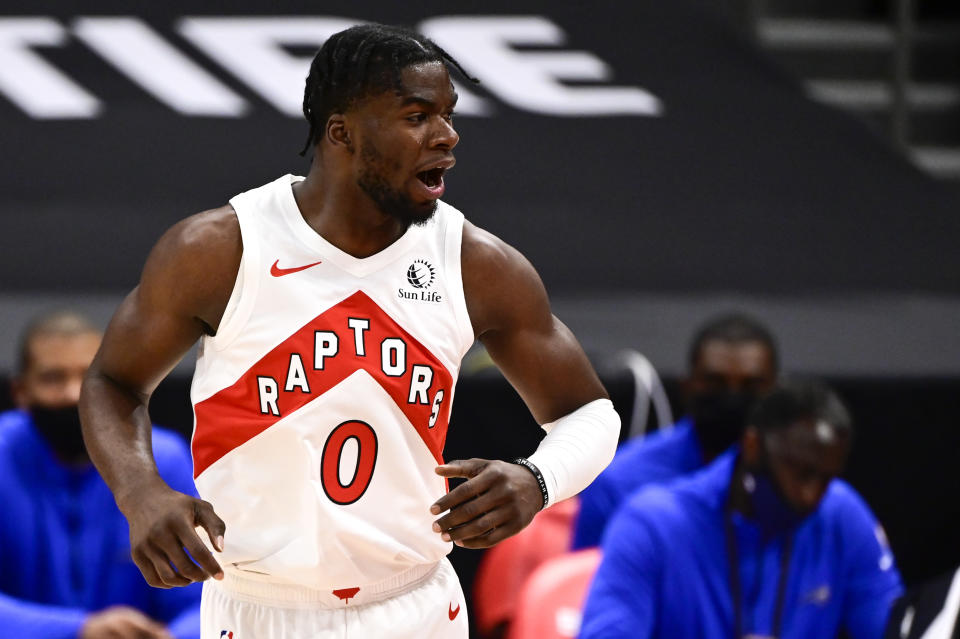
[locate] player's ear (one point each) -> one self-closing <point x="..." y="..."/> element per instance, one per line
<point x="338" y="132"/>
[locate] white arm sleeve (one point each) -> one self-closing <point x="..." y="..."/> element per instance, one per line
<point x="577" y="447"/>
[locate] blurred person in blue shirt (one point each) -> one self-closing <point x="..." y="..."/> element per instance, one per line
<point x="732" y="360"/>
<point x="764" y="542"/>
<point x="65" y="565"/>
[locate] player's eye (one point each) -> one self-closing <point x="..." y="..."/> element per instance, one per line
<point x="417" y="117"/>
<point x="449" y="116"/>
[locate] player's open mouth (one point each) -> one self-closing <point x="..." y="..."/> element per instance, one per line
<point x="432" y="179"/>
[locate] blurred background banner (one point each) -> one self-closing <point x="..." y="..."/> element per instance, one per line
<point x="645" y="156"/>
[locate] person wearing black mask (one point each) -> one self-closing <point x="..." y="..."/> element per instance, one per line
<point x="732" y="361"/>
<point x="766" y="541"/>
<point x="65" y="551"/>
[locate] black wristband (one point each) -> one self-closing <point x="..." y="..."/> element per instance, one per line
<point x="541" y="482"/>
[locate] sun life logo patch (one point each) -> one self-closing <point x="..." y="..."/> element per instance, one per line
<point x="421" y="274"/>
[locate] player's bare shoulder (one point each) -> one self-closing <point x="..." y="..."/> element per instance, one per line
<point x="194" y="264"/>
<point x="500" y="285"/>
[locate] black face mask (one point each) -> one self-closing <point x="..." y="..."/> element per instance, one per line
<point x="719" y="418"/>
<point x="60" y="428"/>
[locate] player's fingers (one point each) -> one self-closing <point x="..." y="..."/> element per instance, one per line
<point x="164" y="570"/>
<point x="205" y="516"/>
<point x="169" y="576"/>
<point x="200" y="554"/>
<point x="491" y="537"/>
<point x="147" y="568"/>
<point x="471" y="509"/>
<point x="479" y="526"/>
<point x="171" y="547"/>
<point x="184" y="565"/>
<point x="462" y="468"/>
<point x="463" y="493"/>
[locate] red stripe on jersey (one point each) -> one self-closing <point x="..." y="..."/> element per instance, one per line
<point x="233" y="415"/>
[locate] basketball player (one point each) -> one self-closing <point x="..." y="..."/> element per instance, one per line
<point x="333" y="312"/>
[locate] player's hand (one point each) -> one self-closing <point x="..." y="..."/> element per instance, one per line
<point x="498" y="500"/>
<point x="163" y="526"/>
<point x="122" y="622"/>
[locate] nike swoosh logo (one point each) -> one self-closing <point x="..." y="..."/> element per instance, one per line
<point x="276" y="271"/>
<point x="452" y="613"/>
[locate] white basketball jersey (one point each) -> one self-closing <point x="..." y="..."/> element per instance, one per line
<point x="321" y="406"/>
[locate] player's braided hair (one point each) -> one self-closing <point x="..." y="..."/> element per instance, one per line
<point x="361" y="61"/>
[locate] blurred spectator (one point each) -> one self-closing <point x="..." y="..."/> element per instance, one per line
<point x="763" y="542"/>
<point x="64" y="546"/>
<point x="733" y="360"/>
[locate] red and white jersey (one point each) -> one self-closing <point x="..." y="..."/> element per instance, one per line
<point x="321" y="405"/>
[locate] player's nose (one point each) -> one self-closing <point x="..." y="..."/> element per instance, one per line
<point x="445" y="136"/>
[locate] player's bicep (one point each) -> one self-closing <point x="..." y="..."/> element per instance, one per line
<point x="144" y="341"/>
<point x="546" y="365"/>
<point x="184" y="287"/>
<point x="511" y="316"/>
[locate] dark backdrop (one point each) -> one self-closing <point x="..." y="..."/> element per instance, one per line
<point x="738" y="182"/>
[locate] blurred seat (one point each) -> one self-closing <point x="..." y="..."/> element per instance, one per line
<point x="505" y="568"/>
<point x="551" y="603"/>
<point x="928" y="610"/>
<point x="648" y="393"/>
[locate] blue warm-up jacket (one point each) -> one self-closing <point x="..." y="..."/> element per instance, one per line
<point x="659" y="457"/>
<point x="64" y="545"/>
<point x="665" y="572"/>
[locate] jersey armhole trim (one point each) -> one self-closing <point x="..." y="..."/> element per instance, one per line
<point x="245" y="287"/>
<point x="453" y="241"/>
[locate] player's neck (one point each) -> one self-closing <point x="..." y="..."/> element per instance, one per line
<point x="345" y="216"/>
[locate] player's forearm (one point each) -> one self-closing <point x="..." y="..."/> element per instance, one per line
<point x="577" y="448"/>
<point x="117" y="433"/>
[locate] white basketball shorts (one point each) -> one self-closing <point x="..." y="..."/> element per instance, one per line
<point x="431" y="606"/>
